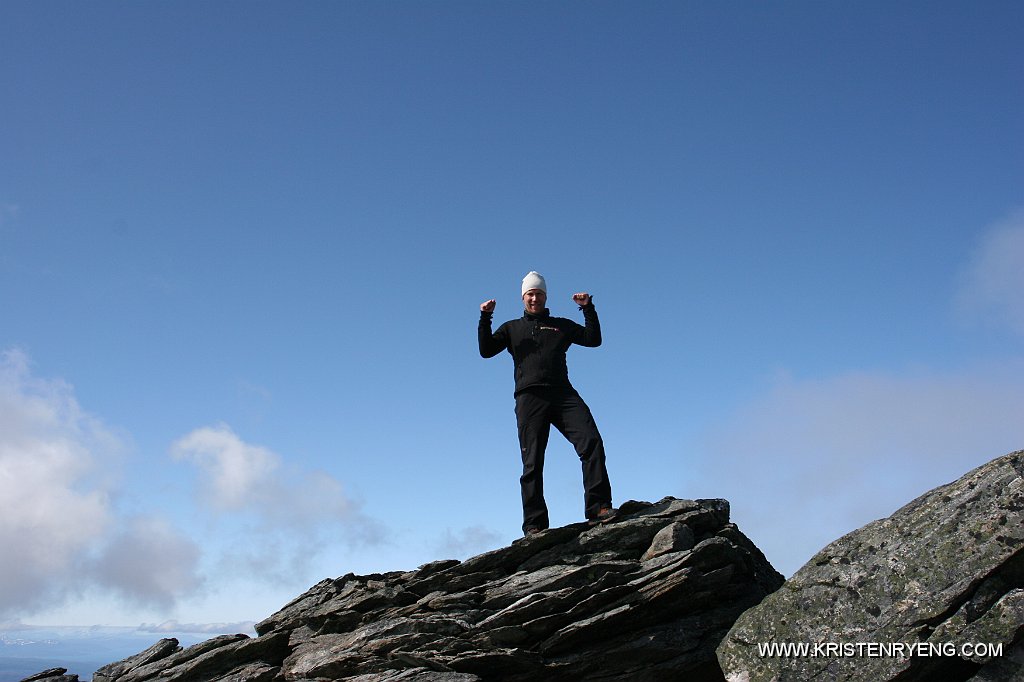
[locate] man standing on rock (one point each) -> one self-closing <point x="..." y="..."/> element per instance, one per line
<point x="537" y="343"/>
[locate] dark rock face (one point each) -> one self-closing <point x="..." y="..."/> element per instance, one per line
<point x="941" y="575"/>
<point x="646" y="598"/>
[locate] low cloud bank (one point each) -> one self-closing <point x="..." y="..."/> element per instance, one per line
<point x="173" y="626"/>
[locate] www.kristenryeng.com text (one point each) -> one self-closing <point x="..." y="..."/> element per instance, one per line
<point x="877" y="649"/>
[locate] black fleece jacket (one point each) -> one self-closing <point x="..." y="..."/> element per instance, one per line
<point x="538" y="344"/>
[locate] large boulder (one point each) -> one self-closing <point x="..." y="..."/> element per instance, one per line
<point x="648" y="597"/>
<point x="935" y="591"/>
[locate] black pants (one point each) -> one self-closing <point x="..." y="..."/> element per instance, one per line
<point x="536" y="410"/>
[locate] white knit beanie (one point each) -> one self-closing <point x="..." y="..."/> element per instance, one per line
<point x="534" y="280"/>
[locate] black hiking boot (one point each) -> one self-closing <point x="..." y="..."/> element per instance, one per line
<point x="606" y="515"/>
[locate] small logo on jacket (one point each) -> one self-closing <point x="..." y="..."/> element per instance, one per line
<point x="551" y="329"/>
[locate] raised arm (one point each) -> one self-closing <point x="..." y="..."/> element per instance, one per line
<point x="590" y="334"/>
<point x="490" y="343"/>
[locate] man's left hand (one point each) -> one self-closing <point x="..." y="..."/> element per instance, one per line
<point x="582" y="298"/>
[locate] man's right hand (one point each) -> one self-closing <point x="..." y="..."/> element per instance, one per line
<point x="488" y="306"/>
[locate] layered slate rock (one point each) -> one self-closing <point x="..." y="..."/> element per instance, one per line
<point x="646" y="598"/>
<point x="904" y="598"/>
<point x="638" y="599"/>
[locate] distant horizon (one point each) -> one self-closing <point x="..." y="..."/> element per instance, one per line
<point x="80" y="649"/>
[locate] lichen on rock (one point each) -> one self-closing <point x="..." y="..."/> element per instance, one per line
<point x="913" y="594"/>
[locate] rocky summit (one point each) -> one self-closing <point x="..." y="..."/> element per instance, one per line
<point x="671" y="591"/>
<point x="933" y="592"/>
<point x="648" y="597"/>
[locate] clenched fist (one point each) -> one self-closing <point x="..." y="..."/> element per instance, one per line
<point x="582" y="298"/>
<point x="488" y="306"/>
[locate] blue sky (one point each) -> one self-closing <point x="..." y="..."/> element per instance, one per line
<point x="243" y="246"/>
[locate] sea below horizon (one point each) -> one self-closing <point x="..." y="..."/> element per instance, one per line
<point x="27" y="649"/>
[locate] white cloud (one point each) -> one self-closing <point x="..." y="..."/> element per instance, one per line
<point x="237" y="475"/>
<point x="240" y="477"/>
<point x="284" y="515"/>
<point x="814" y="459"/>
<point x="992" y="286"/>
<point x="56" y="471"/>
<point x="50" y="519"/>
